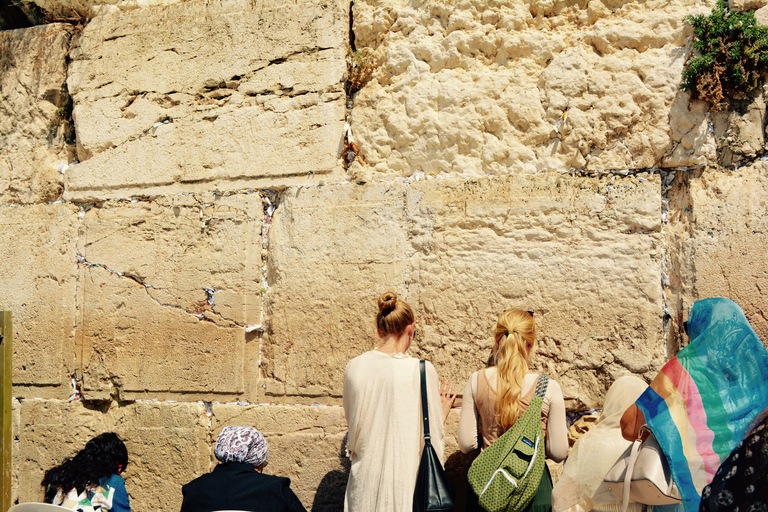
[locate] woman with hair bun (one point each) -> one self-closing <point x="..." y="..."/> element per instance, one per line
<point x="90" y="480"/>
<point x="382" y="404"/>
<point x="497" y="396"/>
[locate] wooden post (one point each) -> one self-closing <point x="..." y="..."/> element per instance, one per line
<point x="6" y="396"/>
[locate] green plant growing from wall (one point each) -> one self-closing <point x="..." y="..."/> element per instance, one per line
<point x="732" y="54"/>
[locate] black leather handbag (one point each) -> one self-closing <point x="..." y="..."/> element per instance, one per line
<point x="434" y="492"/>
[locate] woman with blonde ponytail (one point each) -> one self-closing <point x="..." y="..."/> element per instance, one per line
<point x="497" y="396"/>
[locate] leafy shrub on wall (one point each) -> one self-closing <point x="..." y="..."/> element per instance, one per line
<point x="732" y="55"/>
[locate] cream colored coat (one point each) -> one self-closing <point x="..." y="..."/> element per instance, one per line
<point x="382" y="404"/>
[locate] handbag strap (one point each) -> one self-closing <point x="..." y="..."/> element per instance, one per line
<point x="424" y="405"/>
<point x="631" y="468"/>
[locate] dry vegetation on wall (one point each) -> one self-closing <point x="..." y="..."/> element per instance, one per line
<point x="6" y="58"/>
<point x="360" y="66"/>
<point x="732" y="55"/>
<point x="76" y="14"/>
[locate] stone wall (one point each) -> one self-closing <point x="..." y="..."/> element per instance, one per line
<point x="189" y="242"/>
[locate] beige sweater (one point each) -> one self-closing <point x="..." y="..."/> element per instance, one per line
<point x="382" y="404"/>
<point x="554" y="408"/>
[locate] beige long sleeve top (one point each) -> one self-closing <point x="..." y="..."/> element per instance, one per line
<point x="382" y="404"/>
<point x="553" y="409"/>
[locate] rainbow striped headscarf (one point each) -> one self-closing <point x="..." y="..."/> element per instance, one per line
<point x="702" y="402"/>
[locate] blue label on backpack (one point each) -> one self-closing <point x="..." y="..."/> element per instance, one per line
<point x="527" y="441"/>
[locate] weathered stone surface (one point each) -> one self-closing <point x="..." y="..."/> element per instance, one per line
<point x="719" y="242"/>
<point x="168" y="445"/>
<point x="152" y="273"/>
<point x="33" y="73"/>
<point x="745" y="5"/>
<point x="761" y="15"/>
<point x="739" y="131"/>
<point x="200" y="96"/>
<point x="38" y="279"/>
<point x="692" y="134"/>
<point x="584" y="253"/>
<point x="525" y="87"/>
<point x="333" y="250"/>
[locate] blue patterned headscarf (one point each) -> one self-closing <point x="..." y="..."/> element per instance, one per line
<point x="237" y="443"/>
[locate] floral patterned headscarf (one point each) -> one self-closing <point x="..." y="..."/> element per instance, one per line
<point x="238" y="443"/>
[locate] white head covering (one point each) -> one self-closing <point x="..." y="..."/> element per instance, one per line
<point x="581" y="487"/>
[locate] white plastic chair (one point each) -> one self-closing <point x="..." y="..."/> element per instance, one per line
<point x="36" y="507"/>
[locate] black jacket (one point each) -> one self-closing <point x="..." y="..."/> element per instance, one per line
<point x="238" y="486"/>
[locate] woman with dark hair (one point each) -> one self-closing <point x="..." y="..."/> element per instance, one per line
<point x="90" y="480"/>
<point x="382" y="405"/>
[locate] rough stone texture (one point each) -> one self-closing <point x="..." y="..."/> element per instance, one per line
<point x="583" y="253"/>
<point x="745" y="5"/>
<point x="38" y="279"/>
<point x="739" y="131"/>
<point x="168" y="445"/>
<point x="467" y="89"/>
<point x="719" y="242"/>
<point x="33" y="76"/>
<point x="168" y="289"/>
<point x="333" y="250"/>
<point x="200" y="96"/>
<point x="761" y="15"/>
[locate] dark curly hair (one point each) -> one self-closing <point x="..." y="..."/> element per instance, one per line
<point x="104" y="455"/>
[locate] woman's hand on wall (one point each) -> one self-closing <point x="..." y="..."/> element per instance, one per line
<point x="447" y="398"/>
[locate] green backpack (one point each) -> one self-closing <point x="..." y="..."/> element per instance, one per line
<point x="506" y="475"/>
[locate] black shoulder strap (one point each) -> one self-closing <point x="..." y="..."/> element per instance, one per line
<point x="541" y="386"/>
<point x="424" y="405"/>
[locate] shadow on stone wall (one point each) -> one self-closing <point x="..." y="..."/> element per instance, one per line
<point x="456" y="467"/>
<point x="330" y="491"/>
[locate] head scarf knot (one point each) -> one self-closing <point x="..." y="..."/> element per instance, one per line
<point x="237" y="443"/>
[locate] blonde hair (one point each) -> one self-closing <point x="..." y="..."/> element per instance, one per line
<point x="394" y="315"/>
<point x="515" y="343"/>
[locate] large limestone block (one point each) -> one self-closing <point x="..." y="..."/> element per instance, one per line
<point x="228" y="94"/>
<point x="720" y="239"/>
<point x="168" y="445"/>
<point x="33" y="72"/>
<point x="333" y="250"/>
<point x="583" y="253"/>
<point x="306" y="444"/>
<point x="38" y="279"/>
<point x="168" y="290"/>
<point x="525" y="87"/>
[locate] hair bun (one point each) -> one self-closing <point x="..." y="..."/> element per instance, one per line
<point x="387" y="301"/>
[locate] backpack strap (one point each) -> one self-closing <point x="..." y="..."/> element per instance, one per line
<point x="541" y="386"/>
